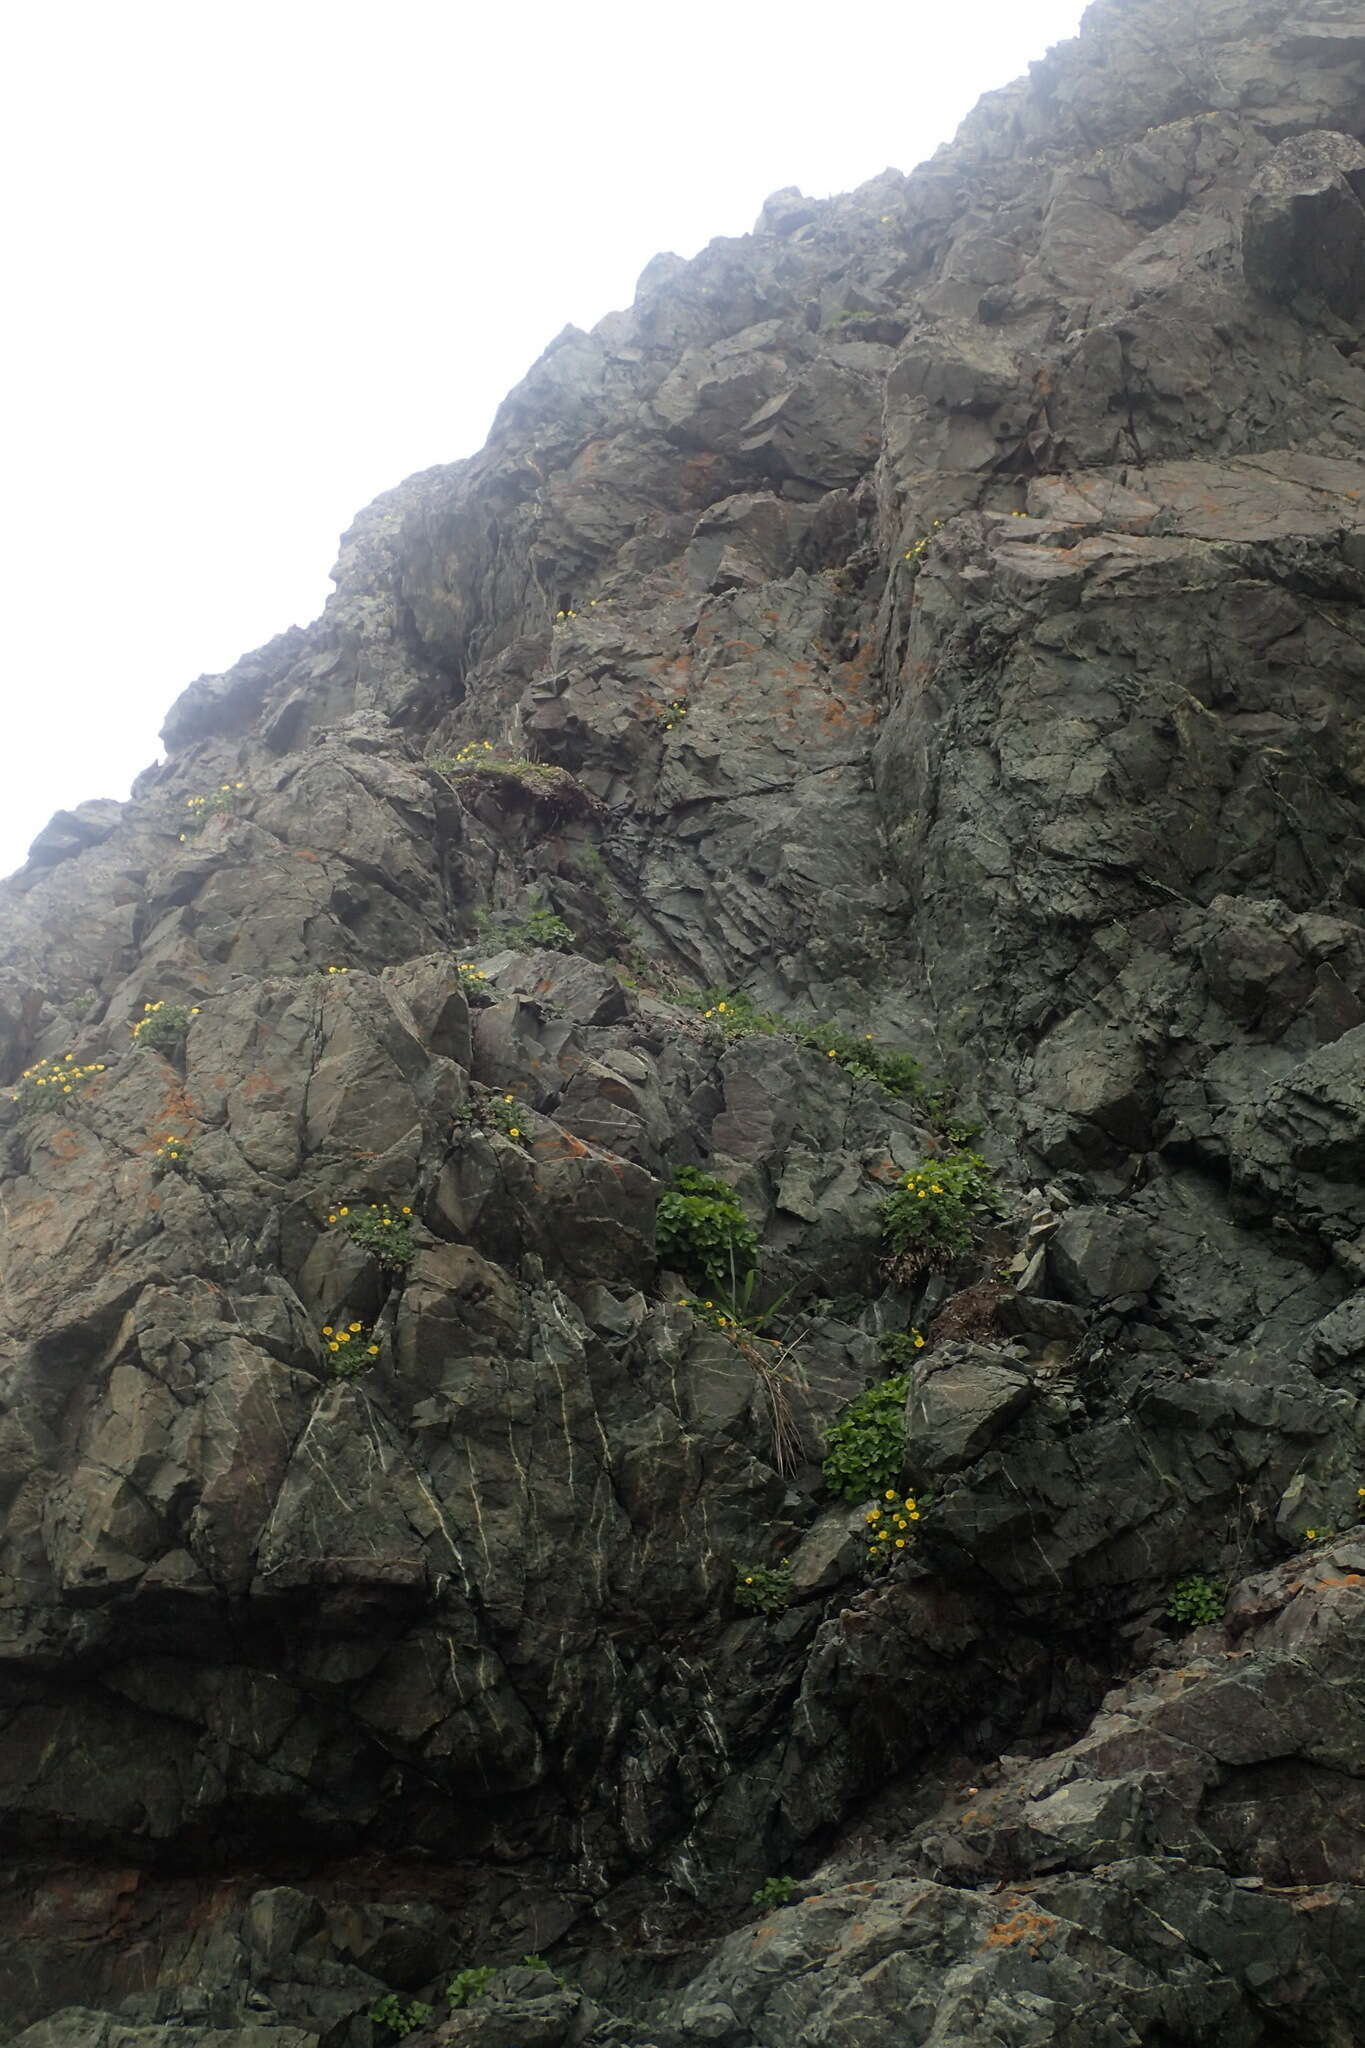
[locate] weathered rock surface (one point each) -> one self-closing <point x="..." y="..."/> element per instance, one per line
<point x="939" y="617"/>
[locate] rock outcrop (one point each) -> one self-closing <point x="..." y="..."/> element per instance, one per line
<point x="931" y="625"/>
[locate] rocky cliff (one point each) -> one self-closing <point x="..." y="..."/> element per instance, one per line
<point x="881" y="723"/>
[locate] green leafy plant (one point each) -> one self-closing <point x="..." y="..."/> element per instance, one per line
<point x="173" y="1156"/>
<point x="736" y="1015"/>
<point x="400" y="2015"/>
<point x="467" y="1985"/>
<point x="1195" y="1600"/>
<point x="50" y="1084"/>
<point x="774" y="1891"/>
<point x="488" y="1111"/>
<point x="897" y="1348"/>
<point x="540" y="931"/>
<point x="866" y="1446"/>
<point x="675" y="713"/>
<point x="164" y="1026"/>
<point x="701" y="1228"/>
<point x="351" y="1348"/>
<point x="929" y="1218"/>
<point x="892" y="1527"/>
<point x="80" y="1006"/>
<point x="378" y="1228"/>
<point x="764" y="1589"/>
<point x="214" y="803"/>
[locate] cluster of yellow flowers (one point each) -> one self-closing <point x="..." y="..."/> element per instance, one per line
<point x="215" y="804"/>
<point x="471" y="972"/>
<point x="913" y="554"/>
<point x="472" y="750"/>
<point x="178" y="1015"/>
<point x="338" y="970"/>
<point x="674" y="715"/>
<point x="174" y="1152"/>
<point x="718" y="1011"/>
<point x="55" y="1078"/>
<point x="593" y="602"/>
<point x="339" y="1338"/>
<point x="898" y="1517"/>
<point x="922" y="1184"/>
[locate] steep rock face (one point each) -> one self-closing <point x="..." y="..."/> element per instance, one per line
<point x="936" y="616"/>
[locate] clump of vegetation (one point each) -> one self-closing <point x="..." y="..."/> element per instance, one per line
<point x="539" y="931"/>
<point x="173" y="1157"/>
<point x="734" y="1310"/>
<point x="764" y="1589"/>
<point x="675" y="713"/>
<point x="1195" y="1600"/>
<point x="867" y="1443"/>
<point x="164" y="1026"/>
<point x="351" y="1348"/>
<point x="701" y="1228"/>
<point x="896" y="1348"/>
<point x="774" y="1891"/>
<point x="488" y="1111"/>
<point x="891" y="1527"/>
<point x="50" y="1084"/>
<point x="929" y="1219"/>
<point x="80" y="1006"/>
<point x="337" y="970"/>
<point x="378" y="1228"/>
<point x="913" y="554"/>
<point x="737" y="1016"/>
<point x="215" y="803"/>
<point x="467" y="1985"/>
<point x="400" y="2015"/>
<point x="473" y="981"/>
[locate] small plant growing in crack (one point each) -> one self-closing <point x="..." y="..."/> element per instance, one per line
<point x="173" y="1156"/>
<point x="892" y="1528"/>
<point x="400" y="2015"/>
<point x="1196" y="1600"/>
<point x="351" y="1348"/>
<point x="701" y="1228"/>
<point x="378" y="1228"/>
<point x="51" y="1084"/>
<point x="774" y="1891"/>
<point x="929" y="1220"/>
<point x="764" y="1589"/>
<point x="471" y="1983"/>
<point x="164" y="1026"/>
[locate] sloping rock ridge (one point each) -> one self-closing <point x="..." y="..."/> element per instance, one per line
<point x="882" y="722"/>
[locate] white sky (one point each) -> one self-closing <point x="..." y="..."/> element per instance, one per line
<point x="266" y="259"/>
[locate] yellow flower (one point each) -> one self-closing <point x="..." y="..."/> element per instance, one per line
<point x="327" y="1329"/>
<point x="883" y="1535"/>
<point x="888" y="1495"/>
<point x="748" y="1582"/>
<point x="900" y="1543"/>
<point x="919" y="1341"/>
<point x="355" y="1326"/>
<point x="909" y="1501"/>
<point x="720" y="1006"/>
<point x="872" y="1517"/>
<point x="334" y="1347"/>
<point x="1311" y="1534"/>
<point x="514" y="1132"/>
<point x="507" y="1098"/>
<point x="343" y="1212"/>
<point x="915" y="1515"/>
<point x="407" y="1212"/>
<point x="373" y="1351"/>
<point x="831" y="1054"/>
